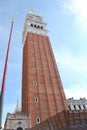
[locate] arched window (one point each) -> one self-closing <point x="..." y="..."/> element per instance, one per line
<point x="69" y="107"/>
<point x="19" y="123"/>
<point x="74" y="107"/>
<point x="84" y="106"/>
<point x="35" y="25"/>
<point x="38" y="26"/>
<point x="37" y="120"/>
<point x="79" y="107"/>
<point x="31" y="25"/>
<point x="19" y="128"/>
<point x="34" y="70"/>
<point x="35" y="83"/>
<point x="33" y="59"/>
<point x="41" y="27"/>
<point x="36" y="99"/>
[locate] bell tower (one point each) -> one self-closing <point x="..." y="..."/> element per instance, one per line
<point x="42" y="90"/>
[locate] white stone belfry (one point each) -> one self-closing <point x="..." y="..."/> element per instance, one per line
<point x="35" y="24"/>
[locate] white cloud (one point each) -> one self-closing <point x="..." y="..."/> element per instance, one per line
<point x="79" y="9"/>
<point x="76" y="91"/>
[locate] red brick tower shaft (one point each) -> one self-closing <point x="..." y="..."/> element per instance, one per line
<point x="42" y="90"/>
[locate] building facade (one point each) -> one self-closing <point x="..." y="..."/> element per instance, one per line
<point x="17" y="121"/>
<point x="80" y="104"/>
<point x="42" y="91"/>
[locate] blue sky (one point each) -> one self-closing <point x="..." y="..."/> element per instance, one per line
<point x="67" y="24"/>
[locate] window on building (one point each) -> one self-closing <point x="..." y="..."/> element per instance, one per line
<point x="41" y="27"/>
<point x="33" y="59"/>
<point x="84" y="107"/>
<point x="19" y="128"/>
<point x="36" y="99"/>
<point x="19" y="123"/>
<point x="31" y="25"/>
<point x="34" y="70"/>
<point x="32" y="50"/>
<point x="37" y="120"/>
<point x="35" y="26"/>
<point x="69" y="107"/>
<point x="38" y="26"/>
<point x="74" y="107"/>
<point x="79" y="107"/>
<point x="35" y="83"/>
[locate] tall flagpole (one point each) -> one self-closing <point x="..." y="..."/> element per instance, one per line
<point x="4" y="76"/>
